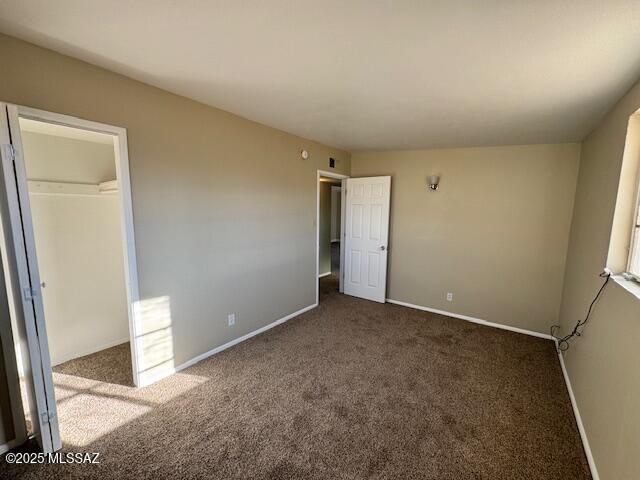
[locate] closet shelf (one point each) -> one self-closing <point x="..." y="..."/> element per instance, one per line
<point x="38" y="187"/>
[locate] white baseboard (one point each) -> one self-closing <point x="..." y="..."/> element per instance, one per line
<point x="89" y="351"/>
<point x="473" y="319"/>
<point x="235" y="341"/>
<point x="576" y="413"/>
<point x="325" y="274"/>
<point x="5" y="447"/>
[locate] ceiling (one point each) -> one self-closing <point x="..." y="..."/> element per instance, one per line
<point x="365" y="75"/>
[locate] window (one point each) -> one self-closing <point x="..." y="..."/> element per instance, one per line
<point x="634" y="251"/>
<point x="624" y="246"/>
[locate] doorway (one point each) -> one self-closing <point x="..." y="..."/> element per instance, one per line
<point x="69" y="261"/>
<point x="329" y="233"/>
<point x="74" y="201"/>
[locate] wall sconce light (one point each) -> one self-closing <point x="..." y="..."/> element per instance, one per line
<point x="433" y="182"/>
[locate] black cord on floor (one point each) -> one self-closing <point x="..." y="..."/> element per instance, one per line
<point x="563" y="342"/>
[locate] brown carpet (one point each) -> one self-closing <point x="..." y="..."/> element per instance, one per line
<point x="350" y="390"/>
<point x="112" y="365"/>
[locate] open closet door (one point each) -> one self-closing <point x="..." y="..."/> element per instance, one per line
<point x="366" y="237"/>
<point x="23" y="283"/>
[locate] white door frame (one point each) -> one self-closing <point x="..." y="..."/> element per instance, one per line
<point x="126" y="210"/>
<point x="338" y="176"/>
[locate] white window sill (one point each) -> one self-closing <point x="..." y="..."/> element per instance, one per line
<point x="630" y="286"/>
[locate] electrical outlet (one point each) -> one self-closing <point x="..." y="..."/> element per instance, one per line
<point x="449" y="297"/>
<point x="232" y="319"/>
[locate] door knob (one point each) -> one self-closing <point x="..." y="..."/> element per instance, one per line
<point x="383" y="248"/>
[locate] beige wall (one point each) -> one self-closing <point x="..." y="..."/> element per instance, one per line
<point x="224" y="208"/>
<point x="604" y="363"/>
<point x="495" y="234"/>
<point x="325" y="228"/>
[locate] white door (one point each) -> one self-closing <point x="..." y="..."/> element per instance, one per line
<point x="23" y="280"/>
<point x="366" y="237"/>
